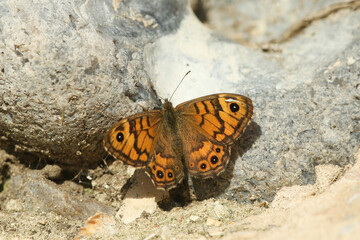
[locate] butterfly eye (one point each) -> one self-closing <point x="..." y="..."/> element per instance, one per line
<point x="234" y="107"/>
<point x="120" y="137"/>
<point x="214" y="159"/>
<point x="160" y="174"/>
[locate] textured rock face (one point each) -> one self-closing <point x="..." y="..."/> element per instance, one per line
<point x="69" y="71"/>
<point x="305" y="91"/>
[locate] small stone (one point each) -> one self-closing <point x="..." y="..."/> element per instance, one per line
<point x="13" y="205"/>
<point x="213" y="222"/>
<point x="263" y="204"/>
<point x="254" y="197"/>
<point x="350" y="61"/>
<point x="51" y="172"/>
<point x="214" y="232"/>
<point x="194" y="218"/>
<point x="134" y="207"/>
<point x="42" y="222"/>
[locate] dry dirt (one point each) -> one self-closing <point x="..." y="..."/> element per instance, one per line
<point x="329" y="209"/>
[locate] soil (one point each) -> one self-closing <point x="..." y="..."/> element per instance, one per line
<point x="329" y="209"/>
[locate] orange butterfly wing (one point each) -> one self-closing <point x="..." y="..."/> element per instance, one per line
<point x="143" y="140"/>
<point x="221" y="117"/>
<point x="211" y="124"/>
<point x="132" y="139"/>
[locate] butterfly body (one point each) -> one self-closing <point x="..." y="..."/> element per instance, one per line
<point x="196" y="135"/>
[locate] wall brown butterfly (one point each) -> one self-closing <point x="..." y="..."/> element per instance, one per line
<point x="196" y="134"/>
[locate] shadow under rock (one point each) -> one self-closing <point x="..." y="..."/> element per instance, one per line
<point x="213" y="187"/>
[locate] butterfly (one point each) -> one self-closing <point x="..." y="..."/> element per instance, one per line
<point x="195" y="135"/>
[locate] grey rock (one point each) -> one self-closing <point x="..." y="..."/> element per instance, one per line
<point x="38" y="194"/>
<point x="69" y="70"/>
<point x="305" y="92"/>
<point x="256" y="22"/>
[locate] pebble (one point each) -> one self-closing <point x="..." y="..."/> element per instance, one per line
<point x="350" y="61"/>
<point x="13" y="205"/>
<point x="194" y="218"/>
<point x="213" y="222"/>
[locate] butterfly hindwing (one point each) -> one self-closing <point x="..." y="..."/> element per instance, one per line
<point x="203" y="157"/>
<point x="132" y="139"/>
<point x="165" y="172"/>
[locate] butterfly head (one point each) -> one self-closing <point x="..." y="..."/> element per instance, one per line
<point x="167" y="105"/>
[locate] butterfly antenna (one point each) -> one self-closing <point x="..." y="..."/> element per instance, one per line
<point x="179" y="84"/>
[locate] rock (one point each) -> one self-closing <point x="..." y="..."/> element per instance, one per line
<point x="52" y="172"/>
<point x="13" y="205"/>
<point x="213" y="222"/>
<point x="305" y="94"/>
<point x="42" y="195"/>
<point x="194" y="218"/>
<point x="323" y="215"/>
<point x="326" y="175"/>
<point x="142" y="197"/>
<point x="71" y="70"/>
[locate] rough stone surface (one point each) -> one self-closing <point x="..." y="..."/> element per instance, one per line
<point x="251" y="22"/>
<point x="30" y="192"/>
<point x="69" y="70"/>
<point x="305" y="91"/>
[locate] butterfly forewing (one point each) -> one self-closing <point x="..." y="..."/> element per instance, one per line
<point x="220" y="117"/>
<point x="132" y="139"/>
